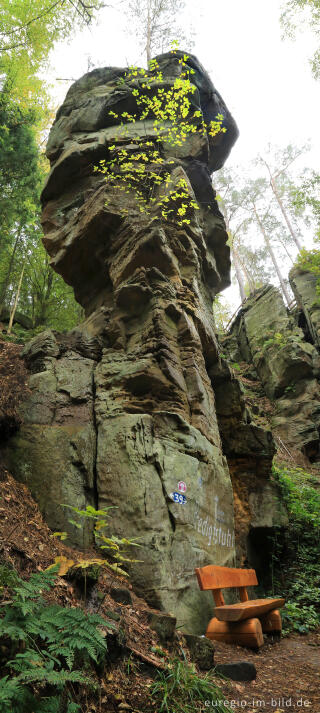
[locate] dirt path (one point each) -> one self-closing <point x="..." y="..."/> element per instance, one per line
<point x="288" y="675"/>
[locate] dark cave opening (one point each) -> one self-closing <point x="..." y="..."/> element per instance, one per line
<point x="263" y="551"/>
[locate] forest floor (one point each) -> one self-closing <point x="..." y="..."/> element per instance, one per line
<point x="288" y="675"/>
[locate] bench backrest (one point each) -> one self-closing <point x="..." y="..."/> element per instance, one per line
<point x="217" y="578"/>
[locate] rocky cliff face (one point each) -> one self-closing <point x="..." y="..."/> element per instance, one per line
<point x="267" y="400"/>
<point x="284" y="359"/>
<point x="122" y="410"/>
<point x="304" y="286"/>
<point x="268" y="337"/>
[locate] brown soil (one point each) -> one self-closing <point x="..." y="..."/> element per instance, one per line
<point x="27" y="544"/>
<point x="13" y="385"/>
<point x="288" y="675"/>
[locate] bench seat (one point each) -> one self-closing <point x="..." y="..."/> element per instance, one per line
<point x="246" y="610"/>
<point x="245" y="622"/>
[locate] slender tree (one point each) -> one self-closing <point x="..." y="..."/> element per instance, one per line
<point x="238" y="270"/>
<point x="271" y="252"/>
<point x="157" y="25"/>
<point x="232" y="202"/>
<point x="260" y="208"/>
<point x="16" y="300"/>
<point x="281" y="161"/>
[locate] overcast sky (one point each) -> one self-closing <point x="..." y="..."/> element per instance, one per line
<point x="265" y="81"/>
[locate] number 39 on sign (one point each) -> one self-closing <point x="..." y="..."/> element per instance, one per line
<point x="179" y="498"/>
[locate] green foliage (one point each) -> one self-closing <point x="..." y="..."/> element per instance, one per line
<point x="309" y="260"/>
<point x="19" y="171"/>
<point x="44" y="297"/>
<point x="8" y="576"/>
<point x="305" y="196"/>
<point x="182" y="690"/>
<point x="116" y="547"/>
<point x="280" y="340"/>
<point x="222" y="314"/>
<point x="234" y="365"/>
<point x="301" y="498"/>
<point x="28" y="33"/>
<point x="47" y="645"/>
<point x="296" y="14"/>
<point x="299" y="617"/>
<point x="141" y="167"/>
<point x="298" y="555"/>
<point x="275" y="339"/>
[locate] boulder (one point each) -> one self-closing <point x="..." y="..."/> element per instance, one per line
<point x="163" y="624"/>
<point x="238" y="671"/>
<point x="201" y="651"/>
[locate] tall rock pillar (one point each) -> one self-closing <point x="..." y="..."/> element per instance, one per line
<point x="146" y="283"/>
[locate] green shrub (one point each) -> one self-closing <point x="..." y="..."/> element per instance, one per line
<point x="296" y="566"/>
<point x="49" y="647"/>
<point x="116" y="547"/>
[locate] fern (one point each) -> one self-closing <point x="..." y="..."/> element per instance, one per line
<point x="12" y="627"/>
<point x="14" y="698"/>
<point x="28" y="593"/>
<point x="54" y="638"/>
<point x="69" y="631"/>
<point x="9" y="689"/>
<point x="8" y="577"/>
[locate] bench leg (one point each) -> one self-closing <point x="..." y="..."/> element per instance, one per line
<point x="245" y="633"/>
<point x="271" y="621"/>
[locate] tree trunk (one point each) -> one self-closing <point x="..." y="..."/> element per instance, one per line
<point x="272" y="255"/>
<point x="247" y="275"/>
<point x="284" y="213"/>
<point x="286" y="250"/>
<point x="7" y="277"/>
<point x="234" y="255"/>
<point x="148" y="43"/>
<point x="43" y="300"/>
<point x="239" y="275"/>
<point x="15" y="304"/>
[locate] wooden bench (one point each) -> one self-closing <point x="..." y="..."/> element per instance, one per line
<point x="244" y="622"/>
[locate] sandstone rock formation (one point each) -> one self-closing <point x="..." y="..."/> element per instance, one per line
<point x="270" y="339"/>
<point x="122" y="409"/>
<point x="304" y="286"/>
<point x="249" y="447"/>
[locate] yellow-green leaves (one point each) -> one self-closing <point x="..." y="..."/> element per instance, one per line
<point x="29" y="30"/>
<point x="138" y="166"/>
